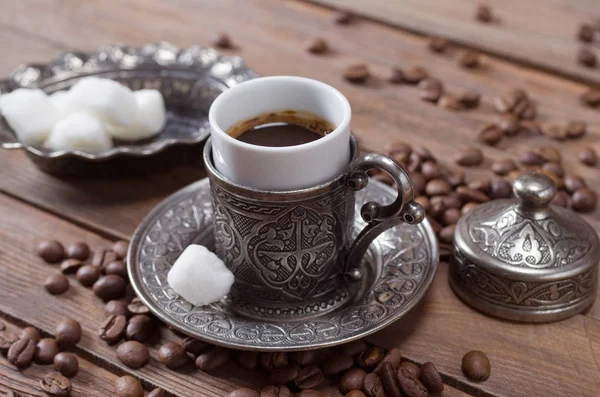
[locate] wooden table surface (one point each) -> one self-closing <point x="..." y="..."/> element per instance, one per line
<point x="532" y="47"/>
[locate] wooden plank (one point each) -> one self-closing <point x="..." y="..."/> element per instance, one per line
<point x="90" y="381"/>
<point x="536" y="32"/>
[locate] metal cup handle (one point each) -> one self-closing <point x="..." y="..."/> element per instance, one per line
<point x="379" y="217"/>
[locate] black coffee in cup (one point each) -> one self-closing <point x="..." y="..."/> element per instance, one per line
<point x="283" y="128"/>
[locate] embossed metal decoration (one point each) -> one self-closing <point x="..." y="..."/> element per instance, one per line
<point x="397" y="269"/>
<point x="524" y="259"/>
<point x="189" y="79"/>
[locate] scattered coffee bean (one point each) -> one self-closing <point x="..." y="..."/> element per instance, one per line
<point x="476" y="365"/>
<point x="451" y="216"/>
<point x="573" y="183"/>
<point x="531" y="127"/>
<point x="172" y="355"/>
<point x="336" y="365"/>
<point x="249" y="360"/>
<point x="51" y="251"/>
<point x="118" y="268"/>
<point x="68" y="333"/>
<point x="310" y="393"/>
<point x="56" y="385"/>
<point x="512" y="176"/>
<point x="576" y="129"/>
<point x="343" y="17"/>
<point x="281" y="376"/>
<point x="98" y="258"/>
<point x="491" y="134"/>
<point x="161" y="393"/>
<point x="469" y="156"/>
<point x="431" y="170"/>
<point x="306" y="357"/>
<point x="354" y="348"/>
<point x="410" y="367"/>
<point x="20" y="354"/>
<point x="587" y="58"/>
<point x="244" y="392"/>
<point x="410" y="385"/>
<point x="437" y="44"/>
<point x="504" y="166"/>
<point x="70" y="266"/>
<point x="139" y="328"/>
<point x="591" y="97"/>
<point x="469" y="99"/>
<point x="438" y="187"/>
<point x="79" y="250"/>
<point x="373" y="386"/>
<point x="396" y="76"/>
<point x="555" y="132"/>
<point x="32" y="332"/>
<point x="467" y="194"/>
<point x="500" y="188"/>
<point x="508" y="123"/>
<point x="273" y="360"/>
<point x="56" y="284"/>
<point x="309" y="377"/>
<point x="109" y="287"/>
<point x="415" y="74"/>
<point x="353" y="379"/>
<point x="45" y="351"/>
<point x="356" y="73"/>
<point x="137" y="307"/>
<point x="483" y="185"/>
<point x="431" y="378"/>
<point x="87" y="275"/>
<point x="554" y="168"/>
<point x="116" y="308"/>
<point x="548" y="153"/>
<point x="275" y="391"/>
<point x="446" y="235"/>
<point x="113" y="328"/>
<point x="317" y="45"/>
<point x="584" y="200"/>
<point x="7" y="338"/>
<point x="450" y="102"/>
<point x="355" y="393"/>
<point x="223" y="40"/>
<point x="531" y="158"/>
<point x="393" y="357"/>
<point x="389" y="380"/>
<point x="369" y="359"/>
<point x="585" y="33"/>
<point x="133" y="354"/>
<point x="128" y="386"/>
<point x="468" y="59"/>
<point x="588" y="157"/>
<point x="213" y="359"/>
<point x="195" y="346"/>
<point x="483" y="13"/>
<point x="431" y="89"/>
<point x="67" y="364"/>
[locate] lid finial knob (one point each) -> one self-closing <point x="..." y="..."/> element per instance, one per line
<point x="534" y="190"/>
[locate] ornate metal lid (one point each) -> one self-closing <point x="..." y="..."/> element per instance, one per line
<point x="524" y="259"/>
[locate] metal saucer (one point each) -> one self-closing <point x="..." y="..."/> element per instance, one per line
<point x="399" y="268"/>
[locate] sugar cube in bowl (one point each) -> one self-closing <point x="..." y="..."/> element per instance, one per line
<point x="79" y="131"/>
<point x="30" y="113"/>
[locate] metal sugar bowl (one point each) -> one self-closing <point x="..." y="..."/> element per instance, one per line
<point x="523" y="259"/>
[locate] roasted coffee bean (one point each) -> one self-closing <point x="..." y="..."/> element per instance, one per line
<point x="113" y="328"/>
<point x="133" y="354"/>
<point x="554" y="168"/>
<point x="418" y="182"/>
<point x="587" y="58"/>
<point x="389" y="380"/>
<point x="430" y="170"/>
<point x="195" y="346"/>
<point x="469" y="156"/>
<point x="561" y="199"/>
<point x="281" y="376"/>
<point x="585" y="32"/>
<point x="305" y="358"/>
<point x="500" y="188"/>
<point x="369" y="359"/>
<point x="356" y="73"/>
<point x="476" y="365"/>
<point x="275" y="391"/>
<point x="67" y="364"/>
<point x="213" y="359"/>
<point x="51" y="251"/>
<point x="353" y="379"/>
<point x="373" y="386"/>
<point x="469" y="59"/>
<point x="424" y="201"/>
<point x="508" y="123"/>
<point x="79" y="251"/>
<point x="116" y="308"/>
<point x="531" y="158"/>
<point x="415" y="74"/>
<point x="45" y="351"/>
<point x="396" y="76"/>
<point x="576" y="129"/>
<point x="469" y="99"/>
<point x="7" y="338"/>
<point x="32" y="332"/>
<point x="20" y="354"/>
<point x="354" y="348"/>
<point x="438" y="187"/>
<point x="243" y="392"/>
<point x="483" y="13"/>
<point x="70" y="266"/>
<point x="118" y="268"/>
<point x="139" y="328"/>
<point x="555" y="132"/>
<point x="249" y="360"/>
<point x="468" y="207"/>
<point x="512" y="176"/>
<point x="434" y="224"/>
<point x="431" y="89"/>
<point x="223" y="40"/>
<point x="355" y="393"/>
<point x="317" y="45"/>
<point x="68" y="333"/>
<point x="414" y="162"/>
<point x="410" y="385"/>
<point x="137" y="307"/>
<point x="309" y="377"/>
<point x="437" y="44"/>
<point x="336" y="365"/>
<point x="591" y="97"/>
<point x="491" y="135"/>
<point x="393" y="356"/>
<point x="504" y="166"/>
<point x="466" y="194"/>
<point x="87" y="275"/>
<point x="98" y="258"/>
<point x="56" y="385"/>
<point x="451" y="216"/>
<point x="273" y="360"/>
<point x="410" y="368"/>
<point x="531" y="127"/>
<point x="128" y="386"/>
<point x="446" y="235"/>
<point x="343" y="17"/>
<point x="56" y="284"/>
<point x="573" y="183"/>
<point x="455" y="176"/>
<point x="450" y="102"/>
<point x="310" y="393"/>
<point x="110" y="287"/>
<point x="172" y="355"/>
<point x="588" y="157"/>
<point x="584" y="200"/>
<point x="431" y="378"/>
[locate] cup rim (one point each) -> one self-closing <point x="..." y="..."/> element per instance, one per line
<point x="246" y="85"/>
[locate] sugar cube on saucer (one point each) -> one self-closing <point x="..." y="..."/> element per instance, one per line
<point x="199" y="276"/>
<point x="63" y="104"/>
<point x="30" y="113"/>
<point x="109" y="100"/>
<point x="82" y="131"/>
<point x="150" y="117"/>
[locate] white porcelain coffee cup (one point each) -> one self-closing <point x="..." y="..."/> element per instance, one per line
<point x="280" y="168"/>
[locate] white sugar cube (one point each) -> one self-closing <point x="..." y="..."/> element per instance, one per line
<point x="30" y="113"/>
<point x="150" y="117"/>
<point x="79" y="131"/>
<point x="64" y="104"/>
<point x="199" y="276"/>
<point x="109" y="100"/>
